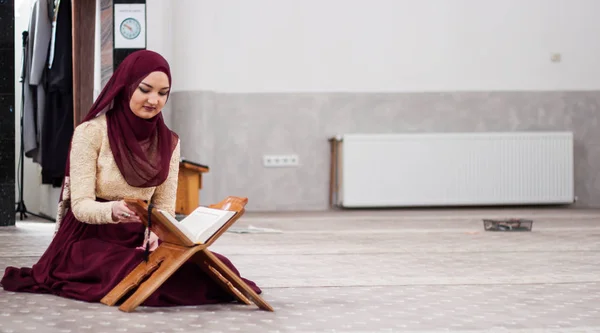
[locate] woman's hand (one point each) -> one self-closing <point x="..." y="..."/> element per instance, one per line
<point x="122" y="214"/>
<point x="153" y="242"/>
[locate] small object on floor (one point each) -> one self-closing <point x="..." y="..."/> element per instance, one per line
<point x="507" y="225"/>
<point x="254" y="230"/>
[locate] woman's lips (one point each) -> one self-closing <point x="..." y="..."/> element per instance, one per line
<point x="149" y="108"/>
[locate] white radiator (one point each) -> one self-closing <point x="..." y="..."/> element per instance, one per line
<point x="451" y="169"/>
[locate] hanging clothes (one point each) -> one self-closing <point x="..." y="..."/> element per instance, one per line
<point x="57" y="127"/>
<point x="34" y="69"/>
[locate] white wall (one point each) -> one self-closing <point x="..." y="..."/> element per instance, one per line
<point x="361" y="45"/>
<point x="97" y="52"/>
<point x="160" y="37"/>
<point x="160" y="34"/>
<point x="385" y="45"/>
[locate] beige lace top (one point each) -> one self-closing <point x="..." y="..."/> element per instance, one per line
<point x="94" y="173"/>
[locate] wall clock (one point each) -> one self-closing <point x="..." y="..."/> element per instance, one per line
<point x="130" y="28"/>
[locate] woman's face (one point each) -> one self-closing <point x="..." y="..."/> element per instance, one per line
<point x="150" y="95"/>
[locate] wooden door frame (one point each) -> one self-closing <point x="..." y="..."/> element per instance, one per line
<point x="84" y="28"/>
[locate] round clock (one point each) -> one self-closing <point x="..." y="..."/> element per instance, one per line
<point x="130" y="28"/>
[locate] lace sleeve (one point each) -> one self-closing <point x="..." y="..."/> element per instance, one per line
<point x="85" y="149"/>
<point x="165" y="194"/>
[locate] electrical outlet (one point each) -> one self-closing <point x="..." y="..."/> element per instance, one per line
<point x="280" y="161"/>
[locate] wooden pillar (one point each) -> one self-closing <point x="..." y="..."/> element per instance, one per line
<point x="334" y="172"/>
<point x="84" y="24"/>
<point x="189" y="185"/>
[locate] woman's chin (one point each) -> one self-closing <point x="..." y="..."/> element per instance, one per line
<point x="144" y="114"/>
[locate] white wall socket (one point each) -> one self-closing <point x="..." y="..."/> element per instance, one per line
<point x="279" y="161"/>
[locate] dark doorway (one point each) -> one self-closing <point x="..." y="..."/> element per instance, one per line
<point x="7" y="113"/>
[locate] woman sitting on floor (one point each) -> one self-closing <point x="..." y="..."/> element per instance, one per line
<point x="125" y="152"/>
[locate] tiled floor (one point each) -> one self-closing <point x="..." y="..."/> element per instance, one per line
<point x="364" y="271"/>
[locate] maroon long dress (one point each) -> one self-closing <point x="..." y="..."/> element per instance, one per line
<point x="85" y="261"/>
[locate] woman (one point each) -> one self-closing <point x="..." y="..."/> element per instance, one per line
<point x="121" y="149"/>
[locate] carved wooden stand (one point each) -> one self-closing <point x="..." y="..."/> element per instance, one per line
<point x="173" y="252"/>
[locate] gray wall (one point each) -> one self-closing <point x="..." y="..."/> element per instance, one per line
<point x="231" y="132"/>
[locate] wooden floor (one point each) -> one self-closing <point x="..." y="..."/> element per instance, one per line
<point x="363" y="271"/>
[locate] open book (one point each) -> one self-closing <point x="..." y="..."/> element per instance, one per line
<point x="201" y="224"/>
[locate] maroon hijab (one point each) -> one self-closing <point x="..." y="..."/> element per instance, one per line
<point x="142" y="148"/>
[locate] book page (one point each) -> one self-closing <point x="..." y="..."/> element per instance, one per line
<point x="203" y="222"/>
<point x="178" y="225"/>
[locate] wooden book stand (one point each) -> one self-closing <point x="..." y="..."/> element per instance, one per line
<point x="174" y="250"/>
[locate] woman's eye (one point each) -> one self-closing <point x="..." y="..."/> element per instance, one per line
<point x="144" y="91"/>
<point x="163" y="93"/>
